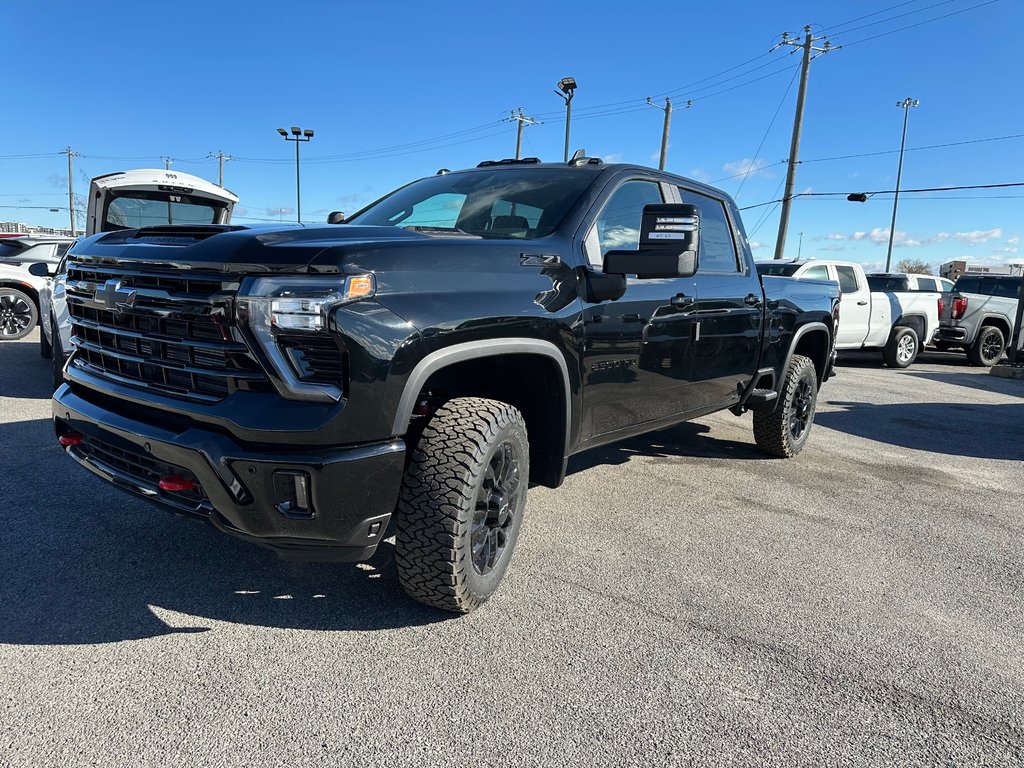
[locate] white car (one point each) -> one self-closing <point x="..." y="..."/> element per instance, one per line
<point x="117" y="201"/>
<point x="897" y="322"/>
<point x="19" y="290"/>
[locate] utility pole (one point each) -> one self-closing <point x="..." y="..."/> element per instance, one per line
<point x="221" y="157"/>
<point x="905" y="105"/>
<point x="71" y="186"/>
<point x="800" y="247"/>
<point x="809" y="52"/>
<point x="522" y="120"/>
<point x="667" y="109"/>
<point x="167" y="162"/>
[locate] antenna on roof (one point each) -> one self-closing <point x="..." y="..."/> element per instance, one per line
<point x="578" y="155"/>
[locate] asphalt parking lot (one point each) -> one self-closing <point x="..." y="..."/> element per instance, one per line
<point x="681" y="600"/>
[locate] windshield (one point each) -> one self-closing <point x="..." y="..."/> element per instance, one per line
<point x="1006" y="287"/>
<point x="522" y="204"/>
<point x="135" y="209"/>
<point x="770" y="269"/>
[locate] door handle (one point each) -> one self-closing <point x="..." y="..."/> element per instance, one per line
<point x="632" y="317"/>
<point x="681" y="300"/>
<point x="862" y="303"/>
<point x="752" y="300"/>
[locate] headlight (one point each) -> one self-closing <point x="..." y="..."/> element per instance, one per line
<point x="296" y="305"/>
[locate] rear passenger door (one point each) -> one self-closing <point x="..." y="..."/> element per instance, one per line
<point x="855" y="308"/>
<point x="729" y="307"/>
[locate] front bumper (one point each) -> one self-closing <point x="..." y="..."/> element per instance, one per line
<point x="352" y="490"/>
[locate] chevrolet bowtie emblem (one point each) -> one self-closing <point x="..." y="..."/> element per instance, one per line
<point x="115" y="297"/>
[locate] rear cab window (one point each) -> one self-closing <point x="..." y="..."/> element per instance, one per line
<point x="1006" y="287"/>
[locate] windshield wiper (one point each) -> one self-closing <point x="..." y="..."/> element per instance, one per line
<point x="440" y="231"/>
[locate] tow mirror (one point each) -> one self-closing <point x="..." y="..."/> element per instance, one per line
<point x="669" y="244"/>
<point x="41" y="269"/>
<point x="336" y="217"/>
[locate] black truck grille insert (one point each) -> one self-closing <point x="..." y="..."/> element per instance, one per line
<point x="144" y="469"/>
<point x="164" y="331"/>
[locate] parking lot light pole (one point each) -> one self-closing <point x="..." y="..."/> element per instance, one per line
<point x="298" y="136"/>
<point x="567" y="89"/>
<point x="905" y="105"/>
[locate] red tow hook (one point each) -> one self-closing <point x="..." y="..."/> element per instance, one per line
<point x="176" y="483"/>
<point x="71" y="438"/>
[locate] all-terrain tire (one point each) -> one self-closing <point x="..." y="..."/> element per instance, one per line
<point x="783" y="431"/>
<point x="988" y="348"/>
<point x="461" y="505"/>
<point x="903" y="347"/>
<point x="18" y="314"/>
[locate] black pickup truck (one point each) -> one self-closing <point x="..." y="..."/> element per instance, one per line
<point x="302" y="387"/>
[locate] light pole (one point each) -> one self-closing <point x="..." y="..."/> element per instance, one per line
<point x="905" y="105"/>
<point x="298" y="136"/>
<point x="566" y="89"/>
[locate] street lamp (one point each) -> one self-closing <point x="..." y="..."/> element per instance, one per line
<point x="298" y="136"/>
<point x="905" y="105"/>
<point x="566" y="89"/>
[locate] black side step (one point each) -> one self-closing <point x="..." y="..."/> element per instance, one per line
<point x="759" y="396"/>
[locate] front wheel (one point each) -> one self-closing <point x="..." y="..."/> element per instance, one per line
<point x="902" y="349"/>
<point x="462" y="502"/>
<point x="988" y="348"/>
<point x="18" y="314"/>
<point x="783" y="431"/>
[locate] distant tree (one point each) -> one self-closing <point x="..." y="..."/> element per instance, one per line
<point x="913" y="267"/>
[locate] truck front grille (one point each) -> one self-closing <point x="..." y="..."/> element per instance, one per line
<point x="164" y="331"/>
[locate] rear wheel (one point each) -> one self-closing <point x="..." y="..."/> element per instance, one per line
<point x="462" y="502"/>
<point x="18" y="314"/>
<point x="902" y="349"/>
<point x="988" y="348"/>
<point x="783" y="431"/>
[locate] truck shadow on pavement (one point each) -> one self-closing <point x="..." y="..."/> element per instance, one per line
<point x="84" y="563"/>
<point x="23" y="373"/>
<point x="978" y="430"/>
<point x="687" y="440"/>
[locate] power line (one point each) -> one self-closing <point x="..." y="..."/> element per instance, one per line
<point x="892" y="192"/>
<point x="893" y="18"/>
<point x="869" y="15"/>
<point x="916" y="149"/>
<point x="757" y="152"/>
<point x="918" y="24"/>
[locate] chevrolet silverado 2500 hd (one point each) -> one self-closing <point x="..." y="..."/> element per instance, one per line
<point x="300" y="387"/>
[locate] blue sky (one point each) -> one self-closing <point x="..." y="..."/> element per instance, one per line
<point x="397" y="91"/>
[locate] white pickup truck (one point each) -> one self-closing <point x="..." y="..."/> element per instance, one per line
<point x="899" y="323"/>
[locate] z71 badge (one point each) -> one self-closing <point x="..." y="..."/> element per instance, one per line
<point x="539" y="260"/>
<point x="607" y="365"/>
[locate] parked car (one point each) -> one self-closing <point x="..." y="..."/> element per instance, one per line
<point x="54" y="319"/>
<point x="980" y="315"/>
<point x="896" y="321"/>
<point x="449" y="344"/>
<point x="19" y="290"/>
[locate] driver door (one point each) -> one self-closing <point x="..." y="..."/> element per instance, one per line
<point x="638" y="351"/>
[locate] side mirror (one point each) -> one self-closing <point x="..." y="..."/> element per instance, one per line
<point x="336" y="217"/>
<point x="669" y="244"/>
<point x="41" y="269"/>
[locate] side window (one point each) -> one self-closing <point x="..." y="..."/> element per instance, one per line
<point x="717" y="249"/>
<point x="847" y="279"/>
<point x="618" y="224"/>
<point x="817" y="272"/>
<point x="62" y="248"/>
<point x="945" y="285"/>
<point x="925" y="284"/>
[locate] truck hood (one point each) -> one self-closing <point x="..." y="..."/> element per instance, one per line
<point x="238" y="249"/>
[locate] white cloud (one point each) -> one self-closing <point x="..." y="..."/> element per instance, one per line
<point x="616" y="157"/>
<point x="754" y="245"/>
<point x="880" y="236"/>
<point x="1013" y="240"/>
<point x="697" y="173"/>
<point x="1007" y="249"/>
<point x="833" y="248"/>
<point x="746" y="167"/>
